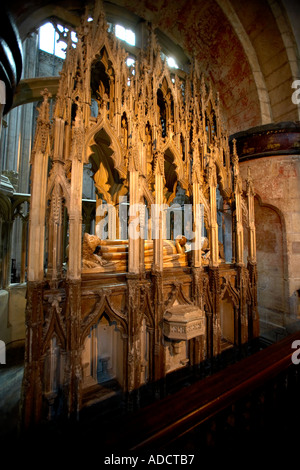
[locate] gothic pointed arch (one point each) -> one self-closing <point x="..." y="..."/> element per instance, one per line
<point x="118" y="152"/>
<point x="177" y="295"/>
<point x="54" y="325"/>
<point x="170" y="148"/>
<point x="57" y="179"/>
<point x="102" y="306"/>
<point x="231" y="291"/>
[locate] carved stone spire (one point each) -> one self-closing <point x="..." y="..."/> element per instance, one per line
<point x="234" y="158"/>
<point x="43" y="125"/>
<point x="249" y="183"/>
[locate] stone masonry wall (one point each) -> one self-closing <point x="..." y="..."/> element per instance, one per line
<point x="277" y="217"/>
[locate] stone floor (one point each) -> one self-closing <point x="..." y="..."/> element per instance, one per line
<point x="11" y="375"/>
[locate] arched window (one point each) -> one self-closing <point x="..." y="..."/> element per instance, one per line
<point x="53" y="39"/>
<point x="126" y="35"/>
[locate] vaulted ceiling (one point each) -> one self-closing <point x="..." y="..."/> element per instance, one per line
<point x="248" y="49"/>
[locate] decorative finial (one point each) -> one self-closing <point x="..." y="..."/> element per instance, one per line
<point x="234" y="146"/>
<point x="46" y="94"/>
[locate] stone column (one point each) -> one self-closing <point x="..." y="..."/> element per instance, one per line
<point x="30" y="55"/>
<point x="2" y="103"/>
<point x="134" y="340"/>
<point x="32" y="382"/>
<point x="73" y="312"/>
<point x="134" y="199"/>
<point x="39" y="162"/>
<point x="214" y="244"/>
<point x="6" y="236"/>
<point x="31" y="395"/>
<point x="23" y="250"/>
<point x="252" y="267"/>
<point x="215" y="325"/>
<point x="142" y="237"/>
<point x="242" y="278"/>
<point x="55" y="224"/>
<point x="75" y="204"/>
<point x="157" y="269"/>
<point x="209" y="335"/>
<point x="199" y="343"/>
<point x="197" y="212"/>
<point x="158" y="215"/>
<point x="251" y="222"/>
<point x="239" y="235"/>
<point x="242" y="282"/>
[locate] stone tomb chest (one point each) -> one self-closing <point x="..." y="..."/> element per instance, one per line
<point x="183" y="322"/>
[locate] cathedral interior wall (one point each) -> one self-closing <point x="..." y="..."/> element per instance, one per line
<point x="277" y="217"/>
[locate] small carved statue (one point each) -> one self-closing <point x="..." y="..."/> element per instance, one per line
<point x="206" y="252"/>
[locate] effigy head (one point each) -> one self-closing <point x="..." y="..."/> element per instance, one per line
<point x="91" y="240"/>
<point x="181" y="239"/>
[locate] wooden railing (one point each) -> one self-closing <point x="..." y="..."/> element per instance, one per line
<point x="253" y="402"/>
<point x="248" y="411"/>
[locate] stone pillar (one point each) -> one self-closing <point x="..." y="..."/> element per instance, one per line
<point x="99" y="218"/>
<point x="11" y="140"/>
<point x="197" y="212"/>
<point x="39" y="162"/>
<point x="215" y="325"/>
<point x="5" y="247"/>
<point x="157" y="269"/>
<point x="252" y="267"/>
<point x="158" y="215"/>
<point x="209" y="335"/>
<point x="134" y="346"/>
<point x="2" y="104"/>
<point x="239" y="234"/>
<point x="30" y="46"/>
<point x="112" y="227"/>
<point x="251" y="222"/>
<point x="214" y="243"/>
<point x="242" y="273"/>
<point x="198" y="345"/>
<point x="243" y="282"/>
<point x="73" y="311"/>
<point x="134" y="200"/>
<point x="75" y="204"/>
<point x="159" y="353"/>
<point x="74" y="370"/>
<point x="23" y="250"/>
<point x="31" y="395"/>
<point x="142" y="237"/>
<point x="32" y="382"/>
<point x="55" y="223"/>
